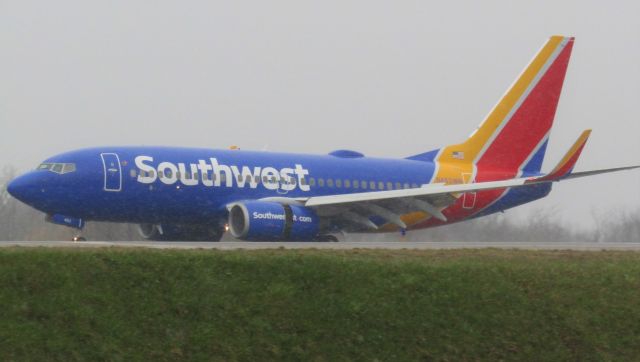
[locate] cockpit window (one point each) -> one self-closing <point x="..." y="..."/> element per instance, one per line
<point x="59" y="168"/>
<point x="69" y="167"/>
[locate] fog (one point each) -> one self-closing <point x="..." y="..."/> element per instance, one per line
<point x="390" y="78"/>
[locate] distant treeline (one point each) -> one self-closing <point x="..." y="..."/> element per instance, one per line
<point x="19" y="222"/>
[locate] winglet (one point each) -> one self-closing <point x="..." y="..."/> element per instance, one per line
<point x="565" y="166"/>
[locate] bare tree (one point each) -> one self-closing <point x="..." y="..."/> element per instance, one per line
<point x="622" y="226"/>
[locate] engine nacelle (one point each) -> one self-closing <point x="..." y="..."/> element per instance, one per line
<point x="262" y="221"/>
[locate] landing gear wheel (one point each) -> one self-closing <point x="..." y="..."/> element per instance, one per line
<point x="78" y="238"/>
<point x="180" y="232"/>
<point x="327" y="238"/>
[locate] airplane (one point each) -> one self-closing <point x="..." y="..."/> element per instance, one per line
<point x="179" y="194"/>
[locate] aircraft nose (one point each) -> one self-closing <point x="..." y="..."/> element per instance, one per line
<point x="23" y="187"/>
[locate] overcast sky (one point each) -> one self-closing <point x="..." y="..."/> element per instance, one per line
<point x="390" y="78"/>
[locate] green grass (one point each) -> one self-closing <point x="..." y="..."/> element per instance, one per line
<point x="125" y="304"/>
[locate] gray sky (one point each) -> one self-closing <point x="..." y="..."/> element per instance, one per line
<point x="390" y="78"/>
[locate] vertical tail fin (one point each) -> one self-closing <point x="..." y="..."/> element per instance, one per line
<point x="513" y="138"/>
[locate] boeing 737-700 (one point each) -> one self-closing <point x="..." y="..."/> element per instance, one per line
<point x="195" y="194"/>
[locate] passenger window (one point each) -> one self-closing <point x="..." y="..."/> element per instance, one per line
<point x="406" y="185"/>
<point x="168" y="173"/>
<point x="292" y="181"/>
<point x="133" y="173"/>
<point x="312" y="181"/>
<point x="330" y="182"/>
<point x="414" y="185"/>
<point x="363" y="184"/>
<point x="321" y="182"/>
<point x="398" y="186"/>
<point x="356" y="184"/>
<point x="303" y="181"/>
<point x="338" y="183"/>
<point x="257" y="179"/>
<point x="347" y="184"/>
<point x="178" y="175"/>
<point x="239" y="178"/>
<point x="265" y="179"/>
<point x="372" y="185"/>
<point x="152" y="173"/>
<point x="389" y="186"/>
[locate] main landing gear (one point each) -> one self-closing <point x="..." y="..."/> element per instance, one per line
<point x="78" y="238"/>
<point x="327" y="238"/>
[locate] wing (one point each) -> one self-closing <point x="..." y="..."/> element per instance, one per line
<point x="354" y="212"/>
<point x="357" y="212"/>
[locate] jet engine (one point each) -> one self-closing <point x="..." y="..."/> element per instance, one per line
<point x="263" y="221"/>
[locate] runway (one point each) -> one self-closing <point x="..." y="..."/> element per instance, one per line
<point x="395" y="245"/>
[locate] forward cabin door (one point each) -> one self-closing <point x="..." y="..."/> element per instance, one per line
<point x="112" y="172"/>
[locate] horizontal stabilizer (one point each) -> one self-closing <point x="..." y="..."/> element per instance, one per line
<point x="597" y="172"/>
<point x="563" y="171"/>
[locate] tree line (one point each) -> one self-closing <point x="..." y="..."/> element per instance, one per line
<point x="18" y="222"/>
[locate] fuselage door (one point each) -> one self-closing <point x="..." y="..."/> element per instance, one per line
<point x="112" y="172"/>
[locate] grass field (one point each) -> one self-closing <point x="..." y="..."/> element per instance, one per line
<point x="124" y="304"/>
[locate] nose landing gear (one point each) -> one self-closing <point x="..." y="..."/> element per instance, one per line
<point x="72" y="222"/>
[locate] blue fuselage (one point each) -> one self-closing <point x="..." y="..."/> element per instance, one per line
<point x="165" y="185"/>
<point x="118" y="192"/>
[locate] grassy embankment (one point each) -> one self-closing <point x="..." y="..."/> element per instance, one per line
<point x="122" y="304"/>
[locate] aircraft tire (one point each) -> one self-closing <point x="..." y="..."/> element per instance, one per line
<point x="327" y="238"/>
<point x="181" y="232"/>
